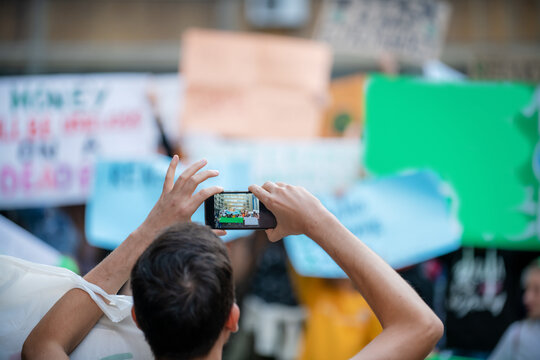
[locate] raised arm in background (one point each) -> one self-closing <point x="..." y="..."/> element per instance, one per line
<point x="410" y="328"/>
<point x="73" y="316"/>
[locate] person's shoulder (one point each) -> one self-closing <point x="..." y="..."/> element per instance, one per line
<point x="526" y="327"/>
<point x="531" y="324"/>
<point x="515" y="327"/>
<point x="516" y="324"/>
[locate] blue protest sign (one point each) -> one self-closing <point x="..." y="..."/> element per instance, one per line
<point x="123" y="194"/>
<point x="405" y="219"/>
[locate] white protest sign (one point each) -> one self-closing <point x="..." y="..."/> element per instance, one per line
<point x="323" y="166"/>
<point x="20" y="243"/>
<point x="409" y="29"/>
<point x="125" y="190"/>
<point x="53" y="127"/>
<point x="169" y="91"/>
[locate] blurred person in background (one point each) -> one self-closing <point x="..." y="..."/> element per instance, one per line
<point x="521" y="341"/>
<point x="410" y="328"/>
<point x="340" y="322"/>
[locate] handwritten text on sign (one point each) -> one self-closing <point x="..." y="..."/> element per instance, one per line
<point x="410" y="29"/>
<point x="53" y="127"/>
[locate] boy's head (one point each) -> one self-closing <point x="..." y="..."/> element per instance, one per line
<point x="183" y="292"/>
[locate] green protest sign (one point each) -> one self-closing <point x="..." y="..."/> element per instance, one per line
<point x="445" y="357"/>
<point x="479" y="138"/>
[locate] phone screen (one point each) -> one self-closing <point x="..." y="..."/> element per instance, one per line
<point x="237" y="210"/>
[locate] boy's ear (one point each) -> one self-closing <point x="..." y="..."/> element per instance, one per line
<point x="134" y="317"/>
<point x="234" y="317"/>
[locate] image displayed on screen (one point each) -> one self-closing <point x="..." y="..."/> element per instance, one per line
<point x="236" y="210"/>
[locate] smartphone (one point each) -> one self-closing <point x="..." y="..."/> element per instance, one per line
<point x="231" y="210"/>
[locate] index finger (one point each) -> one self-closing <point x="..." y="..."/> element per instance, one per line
<point x="169" y="178"/>
<point x="189" y="172"/>
<point x="202" y="195"/>
<point x="260" y="193"/>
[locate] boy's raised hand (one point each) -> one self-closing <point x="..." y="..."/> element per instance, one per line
<point x="178" y="202"/>
<point x="296" y="210"/>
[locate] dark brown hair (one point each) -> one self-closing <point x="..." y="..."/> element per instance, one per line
<point x="183" y="291"/>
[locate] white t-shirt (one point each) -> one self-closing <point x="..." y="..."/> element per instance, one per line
<point x="521" y="341"/>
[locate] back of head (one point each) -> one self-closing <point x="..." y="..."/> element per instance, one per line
<point x="183" y="291"/>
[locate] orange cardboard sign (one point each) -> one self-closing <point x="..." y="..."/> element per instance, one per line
<point x="252" y="85"/>
<point x="345" y="113"/>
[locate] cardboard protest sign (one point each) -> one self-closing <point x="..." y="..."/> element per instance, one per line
<point x="253" y="85"/>
<point x="344" y="115"/>
<point x="479" y="137"/>
<point x="53" y="127"/>
<point x="413" y="30"/>
<point x="404" y="219"/>
<point x="514" y="68"/>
